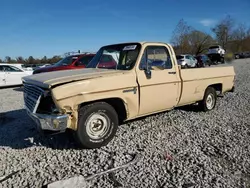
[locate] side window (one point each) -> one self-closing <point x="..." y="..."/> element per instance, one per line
<point x="1" y="69"/>
<point x="188" y="57"/>
<point x="105" y="58"/>
<point x="12" y="69"/>
<point x="84" y="60"/>
<point x="156" y="56"/>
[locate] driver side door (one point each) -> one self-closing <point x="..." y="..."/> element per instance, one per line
<point x="161" y="91"/>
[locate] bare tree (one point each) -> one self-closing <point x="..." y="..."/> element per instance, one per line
<point x="180" y="36"/>
<point x="199" y="41"/>
<point x="240" y="33"/>
<point x="8" y="59"/>
<point x="44" y="60"/>
<point x="20" y="60"/>
<point x="239" y="38"/>
<point x="223" y="31"/>
<point x="31" y="60"/>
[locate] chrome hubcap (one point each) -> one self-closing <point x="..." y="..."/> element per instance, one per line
<point x="97" y="125"/>
<point x="210" y="101"/>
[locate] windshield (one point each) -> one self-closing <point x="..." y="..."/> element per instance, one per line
<point x="66" y="61"/>
<point x="213" y="47"/>
<point x="119" y="56"/>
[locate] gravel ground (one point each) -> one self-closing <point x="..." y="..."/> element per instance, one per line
<point x="181" y="148"/>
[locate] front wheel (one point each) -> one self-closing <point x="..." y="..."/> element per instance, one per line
<point x="97" y="125"/>
<point x="209" y="100"/>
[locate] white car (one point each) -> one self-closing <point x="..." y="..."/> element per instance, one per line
<point x="11" y="75"/>
<point x="217" y="49"/>
<point x="186" y="60"/>
<point x="216" y="54"/>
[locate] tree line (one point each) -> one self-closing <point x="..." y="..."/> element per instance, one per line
<point x="31" y="60"/>
<point x="233" y="37"/>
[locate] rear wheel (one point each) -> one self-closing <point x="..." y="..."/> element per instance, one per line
<point x="97" y="125"/>
<point x="209" y="100"/>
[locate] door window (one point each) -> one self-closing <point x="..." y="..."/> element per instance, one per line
<point x="11" y="69"/>
<point x="156" y="56"/>
<point x="84" y="60"/>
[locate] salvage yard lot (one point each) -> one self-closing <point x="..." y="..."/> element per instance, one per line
<point x="180" y="148"/>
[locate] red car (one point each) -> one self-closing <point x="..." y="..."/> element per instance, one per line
<point x="78" y="62"/>
<point x="71" y="62"/>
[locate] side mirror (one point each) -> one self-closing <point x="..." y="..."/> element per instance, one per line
<point x="148" y="72"/>
<point x="179" y="67"/>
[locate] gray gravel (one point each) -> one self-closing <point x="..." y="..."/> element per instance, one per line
<point x="181" y="148"/>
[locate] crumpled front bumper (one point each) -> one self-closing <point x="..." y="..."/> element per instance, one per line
<point x="50" y="122"/>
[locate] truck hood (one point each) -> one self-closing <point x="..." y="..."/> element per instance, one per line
<point x="50" y="79"/>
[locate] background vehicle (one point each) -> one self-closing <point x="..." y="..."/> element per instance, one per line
<point x="203" y="60"/>
<point x="242" y="55"/>
<point x="107" y="61"/>
<point x="216" y="54"/>
<point x="70" y="62"/>
<point x="186" y="60"/>
<point x="11" y="75"/>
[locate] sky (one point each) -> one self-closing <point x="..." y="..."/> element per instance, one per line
<point x="53" y="27"/>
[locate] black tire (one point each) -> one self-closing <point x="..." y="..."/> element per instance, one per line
<point x="186" y="66"/>
<point x="222" y="60"/>
<point x="209" y="63"/>
<point x="212" y="95"/>
<point x="105" y="113"/>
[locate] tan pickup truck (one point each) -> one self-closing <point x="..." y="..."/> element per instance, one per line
<point x="94" y="101"/>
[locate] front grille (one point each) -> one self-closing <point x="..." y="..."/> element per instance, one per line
<point x="32" y="95"/>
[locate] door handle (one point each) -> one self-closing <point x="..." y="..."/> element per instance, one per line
<point x="172" y="72"/>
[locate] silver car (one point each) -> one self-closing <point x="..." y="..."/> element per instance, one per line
<point x="186" y="60"/>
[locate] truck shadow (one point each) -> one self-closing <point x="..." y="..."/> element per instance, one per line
<point x="15" y="87"/>
<point x="189" y="108"/>
<point x="20" y="89"/>
<point x="18" y="131"/>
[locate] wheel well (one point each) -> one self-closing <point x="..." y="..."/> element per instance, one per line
<point x="217" y="87"/>
<point x="116" y="103"/>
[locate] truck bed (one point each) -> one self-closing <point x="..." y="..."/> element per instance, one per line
<point x="195" y="81"/>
